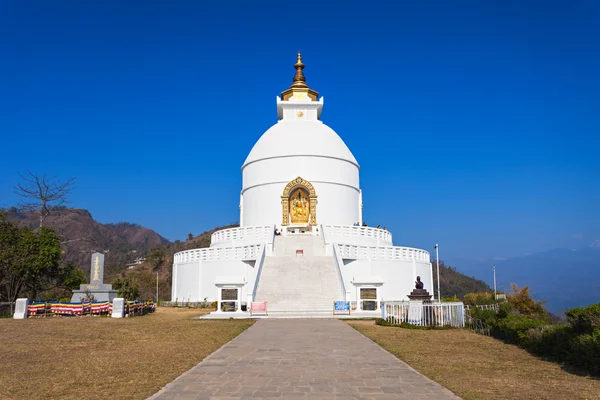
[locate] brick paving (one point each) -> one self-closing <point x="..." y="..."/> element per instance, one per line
<point x="302" y="358"/>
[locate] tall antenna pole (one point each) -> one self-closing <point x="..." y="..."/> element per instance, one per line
<point x="437" y="260"/>
<point x="495" y="295"/>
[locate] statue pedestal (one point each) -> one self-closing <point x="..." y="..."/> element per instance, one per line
<point x="419" y="294"/>
<point x="101" y="292"/>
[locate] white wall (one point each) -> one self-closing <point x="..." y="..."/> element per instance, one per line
<point x="187" y="278"/>
<point x="284" y="169"/>
<point x="336" y="183"/>
<point x="196" y="281"/>
<point x="398" y="276"/>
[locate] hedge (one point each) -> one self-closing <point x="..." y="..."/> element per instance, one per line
<point x="577" y="343"/>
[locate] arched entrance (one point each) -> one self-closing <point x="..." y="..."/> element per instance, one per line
<point x="299" y="203"/>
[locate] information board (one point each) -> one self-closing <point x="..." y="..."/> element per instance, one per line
<point x="341" y="306"/>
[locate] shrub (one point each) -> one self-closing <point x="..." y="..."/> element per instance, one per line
<point x="450" y="299"/>
<point x="525" y="304"/>
<point x="127" y="289"/>
<point x="489" y="317"/>
<point x="513" y="328"/>
<point x="391" y="321"/>
<point x="472" y="299"/>
<point x="551" y="340"/>
<point x="584" y="319"/>
<point x="505" y="309"/>
<point x="585" y="351"/>
<point x="526" y="323"/>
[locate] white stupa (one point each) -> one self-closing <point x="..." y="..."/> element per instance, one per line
<point x="301" y="181"/>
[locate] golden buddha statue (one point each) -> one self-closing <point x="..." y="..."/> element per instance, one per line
<point x="299" y="207"/>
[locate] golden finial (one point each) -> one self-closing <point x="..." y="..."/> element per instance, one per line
<point x="299" y="79"/>
<point x="299" y="89"/>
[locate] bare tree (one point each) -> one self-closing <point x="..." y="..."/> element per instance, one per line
<point x="43" y="194"/>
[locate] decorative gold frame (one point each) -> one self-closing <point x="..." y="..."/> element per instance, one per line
<point x="285" y="200"/>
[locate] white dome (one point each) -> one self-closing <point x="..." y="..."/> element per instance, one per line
<point x="300" y="138"/>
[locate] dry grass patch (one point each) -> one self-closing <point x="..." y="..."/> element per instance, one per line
<point x="479" y="367"/>
<point x="102" y="358"/>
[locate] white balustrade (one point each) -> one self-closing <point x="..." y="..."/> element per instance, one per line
<point x="243" y="234"/>
<point x="249" y="252"/>
<point x="381" y="236"/>
<point x="355" y="252"/>
<point x="424" y="314"/>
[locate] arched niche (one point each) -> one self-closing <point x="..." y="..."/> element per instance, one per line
<point x="299" y="199"/>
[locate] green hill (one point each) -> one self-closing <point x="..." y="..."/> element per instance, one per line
<point x="454" y="283"/>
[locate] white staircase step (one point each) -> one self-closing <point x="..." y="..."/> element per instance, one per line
<point x="305" y="284"/>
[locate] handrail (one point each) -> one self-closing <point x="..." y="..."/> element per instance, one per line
<point x="379" y="236"/>
<point x="323" y="234"/>
<point x="242" y="234"/>
<point x="357" y="252"/>
<point x="248" y="252"/>
<point x="340" y="263"/>
<point x="260" y="260"/>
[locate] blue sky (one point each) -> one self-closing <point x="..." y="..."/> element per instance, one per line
<point x="475" y="123"/>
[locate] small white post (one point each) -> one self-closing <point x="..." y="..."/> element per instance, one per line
<point x="157" y="289"/>
<point x="437" y="260"/>
<point x="118" y="308"/>
<point x="21" y="309"/>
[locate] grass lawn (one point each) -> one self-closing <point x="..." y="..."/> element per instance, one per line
<point x="105" y="358"/>
<point x="479" y="367"/>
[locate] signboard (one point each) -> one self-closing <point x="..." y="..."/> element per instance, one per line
<point x="229" y="294"/>
<point x="368" y="294"/>
<point x="341" y="306"/>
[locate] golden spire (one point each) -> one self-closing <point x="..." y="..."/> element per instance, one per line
<point x="299" y="79"/>
<point x="299" y="90"/>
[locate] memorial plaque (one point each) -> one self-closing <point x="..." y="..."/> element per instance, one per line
<point x="229" y="294"/>
<point x="368" y="294"/>
<point x="369" y="305"/>
<point x="97" y="270"/>
<point x="369" y="299"/>
<point x="228" y="306"/>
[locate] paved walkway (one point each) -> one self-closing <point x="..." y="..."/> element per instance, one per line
<point x="302" y="358"/>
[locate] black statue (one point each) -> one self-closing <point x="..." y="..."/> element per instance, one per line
<point x="419" y="292"/>
<point x="418" y="283"/>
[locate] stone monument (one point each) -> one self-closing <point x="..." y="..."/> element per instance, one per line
<point x="96" y="287"/>
<point x="419" y="293"/>
<point x="21" y="309"/>
<point x="118" y="308"/>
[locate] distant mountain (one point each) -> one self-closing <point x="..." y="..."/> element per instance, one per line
<point x="564" y="278"/>
<point x="82" y="235"/>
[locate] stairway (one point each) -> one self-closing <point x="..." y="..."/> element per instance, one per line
<point x="299" y="285"/>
